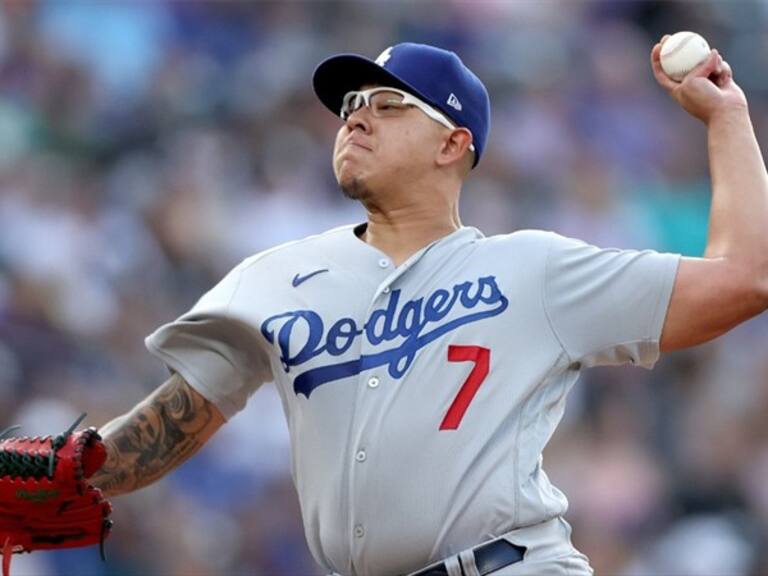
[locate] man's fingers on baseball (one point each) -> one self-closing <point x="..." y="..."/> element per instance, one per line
<point x="656" y="53"/>
<point x="727" y="70"/>
<point x="707" y="67"/>
<point x="718" y="64"/>
<point x="715" y="69"/>
<point x="658" y="73"/>
<point x="656" y="50"/>
<point x="723" y="76"/>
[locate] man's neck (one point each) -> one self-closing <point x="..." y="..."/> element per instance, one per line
<point x="400" y="234"/>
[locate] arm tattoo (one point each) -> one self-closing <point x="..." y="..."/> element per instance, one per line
<point x="156" y="436"/>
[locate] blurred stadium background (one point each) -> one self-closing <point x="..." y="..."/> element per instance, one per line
<point x="147" y="147"/>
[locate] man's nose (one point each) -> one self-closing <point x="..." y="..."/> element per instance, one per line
<point x="359" y="119"/>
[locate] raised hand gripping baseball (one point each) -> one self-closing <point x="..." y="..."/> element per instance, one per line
<point x="706" y="91"/>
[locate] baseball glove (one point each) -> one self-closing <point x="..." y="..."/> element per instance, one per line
<point x="45" y="500"/>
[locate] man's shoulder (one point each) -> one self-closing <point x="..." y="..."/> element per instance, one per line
<point x="528" y="239"/>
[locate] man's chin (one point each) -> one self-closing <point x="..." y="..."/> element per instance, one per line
<point x="354" y="188"/>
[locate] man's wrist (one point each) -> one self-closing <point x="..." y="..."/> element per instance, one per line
<point x="737" y="113"/>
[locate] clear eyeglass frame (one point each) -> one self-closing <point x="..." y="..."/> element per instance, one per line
<point x="383" y="107"/>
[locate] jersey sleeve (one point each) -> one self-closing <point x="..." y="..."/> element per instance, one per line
<point x="220" y="355"/>
<point x="607" y="306"/>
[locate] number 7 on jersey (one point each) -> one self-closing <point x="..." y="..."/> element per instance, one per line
<point x="482" y="359"/>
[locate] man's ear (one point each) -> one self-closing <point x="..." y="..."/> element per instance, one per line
<point x="454" y="147"/>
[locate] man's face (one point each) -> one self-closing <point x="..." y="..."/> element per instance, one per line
<point x="375" y="152"/>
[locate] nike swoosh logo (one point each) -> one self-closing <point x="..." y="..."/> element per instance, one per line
<point x="298" y="280"/>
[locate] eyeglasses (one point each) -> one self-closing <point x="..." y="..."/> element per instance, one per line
<point x="386" y="102"/>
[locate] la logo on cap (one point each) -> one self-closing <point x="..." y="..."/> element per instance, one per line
<point x="384" y="56"/>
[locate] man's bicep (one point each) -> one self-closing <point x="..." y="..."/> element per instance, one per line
<point x="710" y="296"/>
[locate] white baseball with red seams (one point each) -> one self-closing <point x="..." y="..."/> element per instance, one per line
<point x="682" y="52"/>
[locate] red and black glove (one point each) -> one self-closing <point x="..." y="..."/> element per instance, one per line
<point x="45" y="499"/>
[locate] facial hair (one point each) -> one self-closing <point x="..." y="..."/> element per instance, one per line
<point x="355" y="189"/>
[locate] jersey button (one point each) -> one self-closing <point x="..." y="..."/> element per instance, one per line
<point x="359" y="531"/>
<point x="383" y="263"/>
<point x="386" y="290"/>
<point x="360" y="456"/>
<point x="373" y="382"/>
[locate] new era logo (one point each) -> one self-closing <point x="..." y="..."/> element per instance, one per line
<point x="453" y="102"/>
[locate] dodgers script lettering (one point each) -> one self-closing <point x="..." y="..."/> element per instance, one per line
<point x="301" y="334"/>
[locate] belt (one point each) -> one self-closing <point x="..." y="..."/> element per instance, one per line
<point x="488" y="558"/>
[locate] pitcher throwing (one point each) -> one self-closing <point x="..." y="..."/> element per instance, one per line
<point x="423" y="366"/>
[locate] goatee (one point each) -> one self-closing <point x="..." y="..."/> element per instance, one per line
<point x="355" y="189"/>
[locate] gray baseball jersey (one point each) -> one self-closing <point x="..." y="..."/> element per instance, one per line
<point x="419" y="397"/>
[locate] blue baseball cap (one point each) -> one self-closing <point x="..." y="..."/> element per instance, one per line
<point x="434" y="75"/>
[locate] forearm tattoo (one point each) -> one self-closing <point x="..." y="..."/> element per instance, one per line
<point x="156" y="436"/>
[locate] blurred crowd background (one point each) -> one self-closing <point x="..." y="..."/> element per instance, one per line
<point x="147" y="147"/>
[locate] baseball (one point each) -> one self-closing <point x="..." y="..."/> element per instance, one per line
<point x="681" y="53"/>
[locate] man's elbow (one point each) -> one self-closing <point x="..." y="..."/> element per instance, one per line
<point x="761" y="291"/>
<point x="754" y="289"/>
<point x="745" y="289"/>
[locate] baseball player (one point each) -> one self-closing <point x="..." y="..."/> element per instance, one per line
<point x="423" y="366"/>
